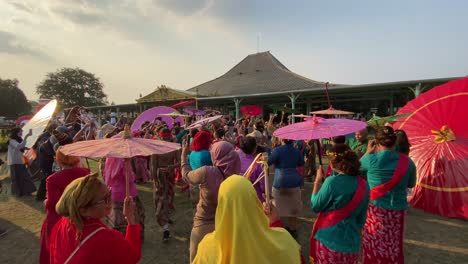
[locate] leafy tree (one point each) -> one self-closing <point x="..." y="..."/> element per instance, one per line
<point x="13" y="102"/>
<point x="73" y="87"/>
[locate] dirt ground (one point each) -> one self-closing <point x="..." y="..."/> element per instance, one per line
<point x="429" y="238"/>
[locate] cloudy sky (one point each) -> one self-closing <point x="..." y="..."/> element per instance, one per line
<point x="135" y="45"/>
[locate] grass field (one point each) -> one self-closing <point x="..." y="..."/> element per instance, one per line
<point x="428" y="238"/>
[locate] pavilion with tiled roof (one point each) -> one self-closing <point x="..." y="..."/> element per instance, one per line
<point x="261" y="79"/>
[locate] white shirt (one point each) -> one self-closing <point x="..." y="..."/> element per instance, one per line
<point x="15" y="156"/>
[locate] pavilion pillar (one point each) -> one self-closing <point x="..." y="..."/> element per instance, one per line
<point x="391" y="103"/>
<point x="237" y="102"/>
<point x="417" y="90"/>
<point x="293" y="97"/>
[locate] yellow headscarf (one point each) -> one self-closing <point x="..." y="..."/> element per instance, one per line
<point x="242" y="234"/>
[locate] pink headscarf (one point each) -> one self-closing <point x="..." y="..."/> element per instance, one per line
<point x="225" y="157"/>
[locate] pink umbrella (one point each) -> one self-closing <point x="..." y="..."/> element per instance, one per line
<point x="204" y="121"/>
<point x="317" y="128"/>
<point x="122" y="146"/>
<point x="152" y="113"/>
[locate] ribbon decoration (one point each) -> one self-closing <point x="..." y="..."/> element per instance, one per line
<point x="445" y="134"/>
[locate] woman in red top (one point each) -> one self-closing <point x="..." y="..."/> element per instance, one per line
<point x="55" y="185"/>
<point x="81" y="237"/>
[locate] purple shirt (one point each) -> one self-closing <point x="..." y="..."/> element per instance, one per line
<point x="246" y="160"/>
<point x="114" y="177"/>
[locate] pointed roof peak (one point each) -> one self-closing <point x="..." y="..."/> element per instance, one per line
<point x="257" y="62"/>
<point x="258" y="72"/>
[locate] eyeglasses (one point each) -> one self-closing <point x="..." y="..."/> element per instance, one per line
<point x="106" y="200"/>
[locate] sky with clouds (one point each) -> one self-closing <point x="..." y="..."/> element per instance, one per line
<point x="135" y="45"/>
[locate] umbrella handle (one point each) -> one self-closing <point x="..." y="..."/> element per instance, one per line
<point x="127" y="179"/>
<point x="319" y="151"/>
<point x="267" y="180"/>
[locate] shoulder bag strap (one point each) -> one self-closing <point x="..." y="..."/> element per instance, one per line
<point x="82" y="243"/>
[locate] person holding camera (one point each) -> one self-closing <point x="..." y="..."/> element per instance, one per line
<point x="21" y="183"/>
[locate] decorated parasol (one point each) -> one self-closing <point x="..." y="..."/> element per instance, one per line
<point x="150" y="114"/>
<point x="251" y="110"/>
<point x="121" y="146"/>
<point x="39" y="122"/>
<point x="438" y="134"/>
<point x="317" y="128"/>
<point x="204" y="121"/>
<point x="330" y="110"/>
<point x="301" y="116"/>
<point x="174" y="114"/>
<point x="377" y="121"/>
<point x="183" y="103"/>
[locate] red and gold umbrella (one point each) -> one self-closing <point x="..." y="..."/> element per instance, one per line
<point x="438" y="132"/>
<point x="251" y="110"/>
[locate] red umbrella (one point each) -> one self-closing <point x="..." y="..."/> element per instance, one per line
<point x="251" y="110"/>
<point x="183" y="103"/>
<point x="438" y="132"/>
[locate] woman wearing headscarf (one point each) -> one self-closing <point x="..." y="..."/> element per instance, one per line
<point x="341" y="201"/>
<point x="81" y="237"/>
<point x="389" y="174"/>
<point x="287" y="183"/>
<point x="21" y="183"/>
<point x="114" y="177"/>
<point x="226" y="162"/>
<point x="55" y="185"/>
<point x="200" y="155"/>
<point x="242" y="231"/>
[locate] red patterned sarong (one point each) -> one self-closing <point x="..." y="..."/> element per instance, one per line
<point x="382" y="236"/>
<point x="327" y="256"/>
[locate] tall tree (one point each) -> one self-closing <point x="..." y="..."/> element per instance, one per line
<point x="13" y="102"/>
<point x="73" y="87"/>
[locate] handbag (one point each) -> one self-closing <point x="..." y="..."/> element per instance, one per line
<point x="29" y="156"/>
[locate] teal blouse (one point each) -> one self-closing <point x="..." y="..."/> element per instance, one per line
<point x="379" y="169"/>
<point x="335" y="193"/>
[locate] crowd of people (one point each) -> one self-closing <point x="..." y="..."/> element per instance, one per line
<point x="360" y="197"/>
